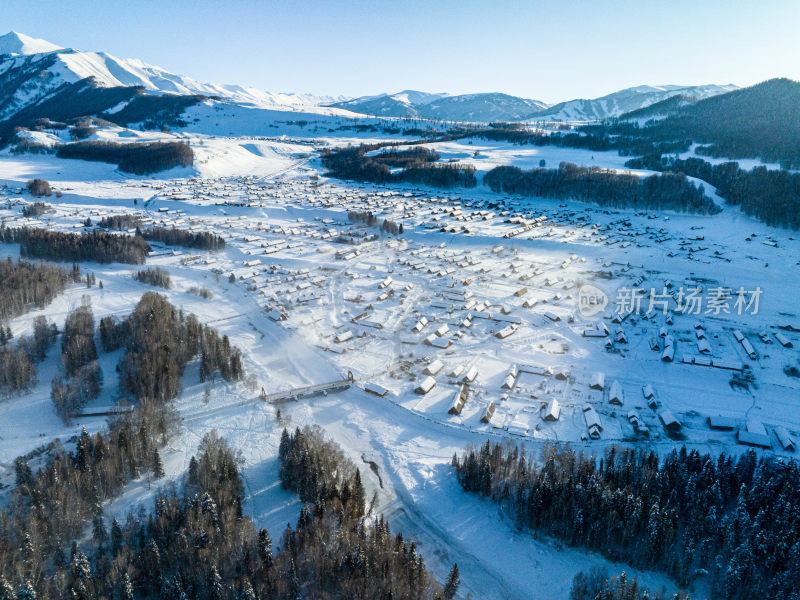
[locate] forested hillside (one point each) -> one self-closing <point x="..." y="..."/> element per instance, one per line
<point x="418" y="166"/>
<point x="140" y="158"/>
<point x="738" y="519"/>
<point x="605" y="187"/>
<point x="98" y="246"/>
<point x="762" y="121"/>
<point x="663" y="108"/>
<point x="195" y="542"/>
<point x="770" y="195"/>
<point x="199" y="240"/>
<point x="25" y="284"/>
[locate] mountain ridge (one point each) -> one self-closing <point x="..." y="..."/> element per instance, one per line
<point x="626" y="100"/>
<point x="33" y="69"/>
<point x="15" y="43"/>
<point x="70" y="66"/>
<point x="498" y="106"/>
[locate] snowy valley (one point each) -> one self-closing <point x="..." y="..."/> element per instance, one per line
<point x="410" y="322"/>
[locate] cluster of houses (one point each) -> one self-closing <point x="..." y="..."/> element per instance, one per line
<point x="447" y="294"/>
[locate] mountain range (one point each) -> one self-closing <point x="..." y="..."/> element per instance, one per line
<point x="503" y="107"/>
<point x="51" y="67"/>
<point x="34" y="71"/>
<point x="465" y="107"/>
<point x="626" y="101"/>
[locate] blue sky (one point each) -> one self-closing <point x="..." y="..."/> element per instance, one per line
<point x="546" y="50"/>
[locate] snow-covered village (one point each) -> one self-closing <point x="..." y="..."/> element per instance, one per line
<point x="409" y="345"/>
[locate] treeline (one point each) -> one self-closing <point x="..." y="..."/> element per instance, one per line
<point x="604" y="187"/>
<point x="159" y="341"/>
<point x="770" y="195"/>
<point x="18" y="360"/>
<point x="140" y="158"/>
<point x="598" y="138"/>
<point x="735" y="519"/>
<point x="154" y="112"/>
<point x="596" y="585"/>
<point x="199" y="240"/>
<point x="24" y="284"/>
<point x="376" y="564"/>
<point x="158" y="277"/>
<point x="17" y="367"/>
<point x="353" y="163"/>
<point x="120" y="222"/>
<point x="448" y="175"/>
<point x="98" y="246"/>
<point x="317" y="470"/>
<point x="48" y="511"/>
<point x="195" y="542"/>
<point x="82" y="377"/>
<point x="762" y="121"/>
<point x="414" y="156"/>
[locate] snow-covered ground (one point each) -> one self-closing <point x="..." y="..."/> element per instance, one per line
<point x="468" y="265"/>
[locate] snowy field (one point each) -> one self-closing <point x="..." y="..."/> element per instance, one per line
<point x="480" y="290"/>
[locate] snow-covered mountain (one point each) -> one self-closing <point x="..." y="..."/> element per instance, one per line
<point x="625" y="101"/>
<point x="31" y="69"/>
<point x="481" y="108"/>
<point x="465" y="107"/>
<point x="18" y="43"/>
<point x="34" y="71"/>
<point x="405" y="104"/>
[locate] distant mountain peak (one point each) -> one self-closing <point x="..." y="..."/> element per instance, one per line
<point x="480" y="107"/>
<point x="626" y="101"/>
<point x="415" y="97"/>
<point x="18" y="43"/>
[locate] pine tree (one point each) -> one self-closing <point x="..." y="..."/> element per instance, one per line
<point x="24" y="475"/>
<point x="193" y="472"/>
<point x="99" y="533"/>
<point x="294" y="581"/>
<point x="59" y="558"/>
<point x="305" y="518"/>
<point x="451" y="587"/>
<point x="6" y="591"/>
<point x="265" y="548"/>
<point x="158" y="467"/>
<point x="215" y="589"/>
<point x="116" y="537"/>
<point x="247" y="591"/>
<point x="359" y="496"/>
<point x="26" y="591"/>
<point x="126" y="593"/>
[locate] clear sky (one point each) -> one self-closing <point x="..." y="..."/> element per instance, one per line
<point x="547" y="50"/>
